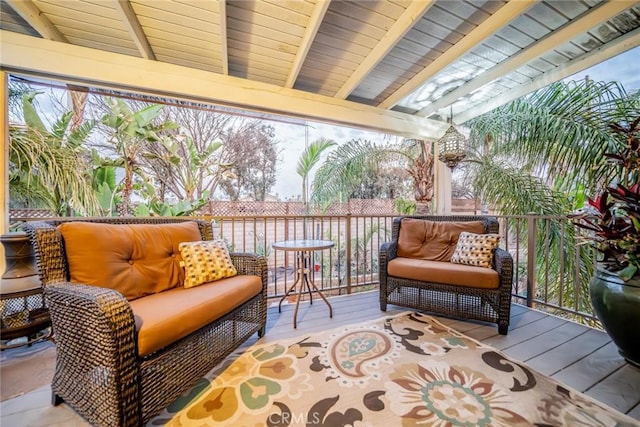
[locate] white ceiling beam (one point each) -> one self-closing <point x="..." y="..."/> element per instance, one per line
<point x="582" y="62"/>
<point x="223" y="36"/>
<point x="502" y="17"/>
<point x="37" y="20"/>
<point x="85" y="66"/>
<point x="307" y="40"/>
<point x="130" y="20"/>
<point x="403" y="24"/>
<point x="572" y="29"/>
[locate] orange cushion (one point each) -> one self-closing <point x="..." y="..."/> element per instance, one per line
<point x="164" y="318"/>
<point x="444" y="272"/>
<point x="432" y="240"/>
<point x="134" y="259"/>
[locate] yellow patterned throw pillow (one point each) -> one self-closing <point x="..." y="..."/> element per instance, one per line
<point x="475" y="249"/>
<point x="205" y="261"/>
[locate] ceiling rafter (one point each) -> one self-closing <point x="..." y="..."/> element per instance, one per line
<point x="402" y="25"/>
<point x="502" y="17"/>
<point x="224" y="54"/>
<point x="37" y="20"/>
<point x="582" y="62"/>
<point x="86" y="66"/>
<point x="130" y="20"/>
<point x="313" y="25"/>
<point x="572" y="29"/>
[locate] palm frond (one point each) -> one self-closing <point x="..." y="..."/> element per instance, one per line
<point x="346" y="167"/>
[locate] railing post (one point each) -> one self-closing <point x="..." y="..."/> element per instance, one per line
<point x="531" y="258"/>
<point x="347" y="243"/>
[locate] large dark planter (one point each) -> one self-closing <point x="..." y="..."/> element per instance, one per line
<point x="617" y="305"/>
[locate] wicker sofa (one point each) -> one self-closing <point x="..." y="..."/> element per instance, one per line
<point x="423" y="277"/>
<point x="121" y="360"/>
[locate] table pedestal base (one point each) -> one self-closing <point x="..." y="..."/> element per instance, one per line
<point x="304" y="277"/>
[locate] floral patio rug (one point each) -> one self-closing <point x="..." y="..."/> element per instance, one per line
<point x="406" y="370"/>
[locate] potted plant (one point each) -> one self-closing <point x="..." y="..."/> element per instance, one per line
<point x="614" y="227"/>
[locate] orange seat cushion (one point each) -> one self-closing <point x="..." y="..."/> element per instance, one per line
<point x="133" y="259"/>
<point x="165" y="317"/>
<point x="444" y="272"/>
<point x="432" y="240"/>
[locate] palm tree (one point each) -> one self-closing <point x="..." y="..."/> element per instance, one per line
<point x="557" y="136"/>
<point x="537" y="153"/>
<point x="347" y="166"/>
<point x="50" y="166"/>
<point x="307" y="161"/>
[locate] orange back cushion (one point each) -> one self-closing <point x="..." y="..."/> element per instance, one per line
<point x="134" y="259"/>
<point x="432" y="240"/>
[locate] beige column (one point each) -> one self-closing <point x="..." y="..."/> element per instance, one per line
<point x="442" y="185"/>
<point x="4" y="161"/>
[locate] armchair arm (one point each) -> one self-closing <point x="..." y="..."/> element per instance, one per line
<point x="249" y="263"/>
<point x="503" y="264"/>
<point x="389" y="250"/>
<point x="94" y="330"/>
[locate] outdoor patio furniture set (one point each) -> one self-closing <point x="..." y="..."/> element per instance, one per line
<point x="131" y="338"/>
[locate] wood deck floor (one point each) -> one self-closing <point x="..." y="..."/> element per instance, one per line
<point x="582" y="358"/>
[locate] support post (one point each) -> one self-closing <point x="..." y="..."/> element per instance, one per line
<point x="4" y="161"/>
<point x="531" y="258"/>
<point x="347" y="238"/>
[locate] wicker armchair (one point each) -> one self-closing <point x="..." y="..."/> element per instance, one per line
<point x="492" y="305"/>
<point x="98" y="370"/>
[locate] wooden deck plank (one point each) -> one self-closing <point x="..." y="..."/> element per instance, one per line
<point x="523" y="318"/>
<point x="562" y="356"/>
<point x="525" y="332"/>
<point x="635" y="412"/>
<point x="621" y="390"/>
<point x="546" y="341"/>
<point x="587" y="371"/>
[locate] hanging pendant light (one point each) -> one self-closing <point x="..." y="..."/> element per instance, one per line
<point x="452" y="146"/>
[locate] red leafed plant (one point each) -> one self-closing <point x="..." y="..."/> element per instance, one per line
<point x="615" y="222"/>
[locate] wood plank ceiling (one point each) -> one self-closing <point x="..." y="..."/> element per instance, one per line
<point x="420" y="58"/>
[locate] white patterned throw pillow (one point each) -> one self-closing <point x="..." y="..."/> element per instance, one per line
<point x="205" y="261"/>
<point x="475" y="249"/>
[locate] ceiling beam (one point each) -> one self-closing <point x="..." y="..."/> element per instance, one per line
<point x="307" y="40"/>
<point x="130" y="20"/>
<point x="572" y="29"/>
<point x="502" y="17"/>
<point x="91" y="67"/>
<point x="582" y="62"/>
<point x="37" y="20"/>
<point x="223" y="36"/>
<point x="403" y="24"/>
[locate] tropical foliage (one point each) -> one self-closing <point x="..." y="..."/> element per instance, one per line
<point x="131" y="132"/>
<point x="307" y="161"/>
<point x="615" y="223"/>
<point x="50" y="166"/>
<point x="349" y="165"/>
<point x="540" y="154"/>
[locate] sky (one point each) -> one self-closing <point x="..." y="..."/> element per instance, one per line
<point x="623" y="68"/>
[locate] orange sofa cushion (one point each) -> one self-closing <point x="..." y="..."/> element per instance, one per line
<point x="432" y="240"/>
<point x="444" y="272"/>
<point x="133" y="259"/>
<point x="164" y="318"/>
